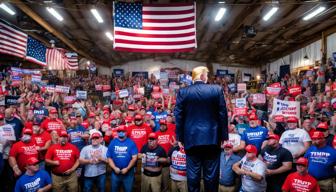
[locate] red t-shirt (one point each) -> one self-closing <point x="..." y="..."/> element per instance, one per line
<point x="67" y="156"/>
<point x="166" y="139"/>
<point x="334" y="142"/>
<point x="22" y="152"/>
<point x="52" y="125"/>
<point x="298" y="183"/>
<point x="171" y="127"/>
<point x="41" y="140"/>
<point x="139" y="134"/>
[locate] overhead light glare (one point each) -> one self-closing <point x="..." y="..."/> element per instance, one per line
<point x="109" y="35"/>
<point x="270" y="13"/>
<point x="54" y="13"/>
<point x="314" y="13"/>
<point x="7" y="9"/>
<point x="220" y="14"/>
<point x="96" y="14"/>
<point x="221" y="2"/>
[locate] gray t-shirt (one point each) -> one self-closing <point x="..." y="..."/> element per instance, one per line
<point x="91" y="152"/>
<point x="248" y="183"/>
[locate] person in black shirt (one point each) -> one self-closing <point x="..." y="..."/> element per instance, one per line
<point x="279" y="162"/>
<point x="153" y="156"/>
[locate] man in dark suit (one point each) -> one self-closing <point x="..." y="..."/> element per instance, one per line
<point x="201" y="126"/>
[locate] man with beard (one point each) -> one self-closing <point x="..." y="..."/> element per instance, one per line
<point x="93" y="157"/>
<point x="300" y="180"/>
<point x="77" y="133"/>
<point x="40" y="111"/>
<point x="278" y="161"/>
<point x="34" y="180"/>
<point x="322" y="161"/>
<point x="21" y="152"/>
<point x="138" y="132"/>
<point x="63" y="157"/>
<point x="227" y="177"/>
<point x="160" y="113"/>
<point x="53" y="123"/>
<point x="153" y="156"/>
<point x="252" y="170"/>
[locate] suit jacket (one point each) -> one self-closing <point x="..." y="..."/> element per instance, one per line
<point x="201" y="115"/>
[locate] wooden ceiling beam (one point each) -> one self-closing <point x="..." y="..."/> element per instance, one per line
<point x="28" y="11"/>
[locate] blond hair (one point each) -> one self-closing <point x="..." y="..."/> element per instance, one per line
<point x="198" y="71"/>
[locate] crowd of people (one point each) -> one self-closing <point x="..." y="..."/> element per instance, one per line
<point x="130" y="142"/>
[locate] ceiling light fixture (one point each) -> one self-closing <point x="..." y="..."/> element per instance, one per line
<point x="270" y="13"/>
<point x="96" y="14"/>
<point x="220" y="14"/>
<point x="221" y="2"/>
<point x="7" y="9"/>
<point x="109" y="35"/>
<point x="54" y="13"/>
<point x="314" y="13"/>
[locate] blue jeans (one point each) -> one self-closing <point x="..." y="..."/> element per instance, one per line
<point x="98" y="180"/>
<point x="126" y="181"/>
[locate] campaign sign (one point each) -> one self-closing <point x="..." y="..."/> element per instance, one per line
<point x="164" y="75"/>
<point x="7" y="133"/>
<point x="259" y="98"/>
<point x="240" y="102"/>
<point x="62" y="89"/>
<point x="286" y="108"/>
<point x="50" y="88"/>
<point x="113" y="96"/>
<point x="11" y="100"/>
<point x="232" y="87"/>
<point x="123" y="93"/>
<point x="106" y="88"/>
<point x="69" y="99"/>
<point x="99" y="87"/>
<point x="240" y="111"/>
<point x="241" y="87"/>
<point x="81" y="94"/>
<point x="107" y="94"/>
<point x="118" y="72"/>
<point x="221" y="73"/>
<point x="156" y="95"/>
<point x="273" y="91"/>
<point x="36" y="78"/>
<point x="295" y="90"/>
<point x="156" y="89"/>
<point x="140" y="74"/>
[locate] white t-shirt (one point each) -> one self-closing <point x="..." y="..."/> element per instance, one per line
<point x="293" y="140"/>
<point x="90" y="152"/>
<point x="248" y="183"/>
<point x="234" y="139"/>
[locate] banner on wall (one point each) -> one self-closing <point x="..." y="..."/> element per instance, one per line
<point x="118" y="72"/>
<point x="143" y="74"/>
<point x="286" y="108"/>
<point x="221" y="72"/>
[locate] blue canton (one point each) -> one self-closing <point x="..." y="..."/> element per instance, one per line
<point x="35" y="49"/>
<point x="128" y="15"/>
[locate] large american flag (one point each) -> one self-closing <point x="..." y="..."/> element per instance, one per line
<point x="36" y="52"/>
<point x="154" y="27"/>
<point x="56" y="59"/>
<point x="12" y="41"/>
<point x="72" y="61"/>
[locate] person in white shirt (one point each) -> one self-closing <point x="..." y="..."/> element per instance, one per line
<point x="296" y="140"/>
<point x="252" y="171"/>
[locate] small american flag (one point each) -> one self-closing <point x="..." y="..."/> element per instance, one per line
<point x="12" y="41"/>
<point x="154" y="27"/>
<point x="72" y="63"/>
<point x="36" y="51"/>
<point x="56" y="59"/>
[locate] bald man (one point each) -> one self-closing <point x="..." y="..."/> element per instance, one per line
<point x="201" y="126"/>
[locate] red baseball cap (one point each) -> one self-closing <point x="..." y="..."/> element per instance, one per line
<point x="323" y="125"/>
<point x="274" y="136"/>
<point x="85" y="124"/>
<point x="106" y="112"/>
<point x="2" y="116"/>
<point x="253" y="116"/>
<point x="138" y="117"/>
<point x="163" y="122"/>
<point x="251" y="149"/>
<point x="292" y="119"/>
<point x="279" y="118"/>
<point x="117" y="102"/>
<point x="121" y="128"/>
<point x="91" y="114"/>
<point x="131" y="107"/>
<point x="53" y="111"/>
<point x="27" y="131"/>
<point x="152" y="136"/>
<point x="106" y="107"/>
<point x="302" y="161"/>
<point x="317" y="135"/>
<point x="32" y="161"/>
<point x="63" y="133"/>
<point x="96" y="134"/>
<point x="228" y="145"/>
<point x="128" y="118"/>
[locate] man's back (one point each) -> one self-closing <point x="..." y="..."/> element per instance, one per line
<point x="201" y="115"/>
